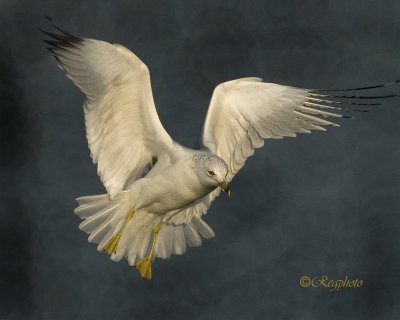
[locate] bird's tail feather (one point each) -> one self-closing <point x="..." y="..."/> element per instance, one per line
<point x="104" y="218"/>
<point x="171" y="239"/>
<point x="98" y="212"/>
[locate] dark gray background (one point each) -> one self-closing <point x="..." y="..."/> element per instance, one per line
<point x="321" y="204"/>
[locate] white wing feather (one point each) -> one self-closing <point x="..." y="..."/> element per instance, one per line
<point x="244" y="112"/>
<point x="122" y="125"/>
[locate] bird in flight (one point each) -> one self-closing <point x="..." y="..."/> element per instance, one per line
<point x="158" y="190"/>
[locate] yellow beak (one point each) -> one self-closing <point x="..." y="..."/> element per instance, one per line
<point x="224" y="186"/>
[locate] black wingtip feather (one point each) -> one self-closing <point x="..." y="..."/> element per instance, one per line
<point x="70" y="36"/>
<point x="352" y="97"/>
<point x="360" y="88"/>
<point x="61" y="41"/>
<point x="363" y="97"/>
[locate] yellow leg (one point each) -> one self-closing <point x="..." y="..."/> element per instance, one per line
<point x="144" y="266"/>
<point x="112" y="246"/>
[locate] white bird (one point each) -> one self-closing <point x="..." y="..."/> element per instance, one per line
<point x="158" y="190"/>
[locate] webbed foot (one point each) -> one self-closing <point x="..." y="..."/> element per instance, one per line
<point x="144" y="265"/>
<point x="112" y="246"/>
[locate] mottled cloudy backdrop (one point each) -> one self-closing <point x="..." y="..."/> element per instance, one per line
<point x="320" y="204"/>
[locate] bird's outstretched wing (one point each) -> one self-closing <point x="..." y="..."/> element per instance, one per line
<point x="245" y="112"/>
<point x="124" y="132"/>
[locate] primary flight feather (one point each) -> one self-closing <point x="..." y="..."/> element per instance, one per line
<point x="158" y="190"/>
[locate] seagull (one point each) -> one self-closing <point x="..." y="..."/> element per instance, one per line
<point x="158" y="191"/>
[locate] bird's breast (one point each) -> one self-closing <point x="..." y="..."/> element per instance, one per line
<point x="170" y="190"/>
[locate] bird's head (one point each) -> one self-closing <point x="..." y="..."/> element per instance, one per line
<point x="212" y="171"/>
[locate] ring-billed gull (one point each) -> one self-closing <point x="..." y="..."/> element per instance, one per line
<point x="158" y="190"/>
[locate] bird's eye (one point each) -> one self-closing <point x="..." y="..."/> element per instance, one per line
<point x="211" y="173"/>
